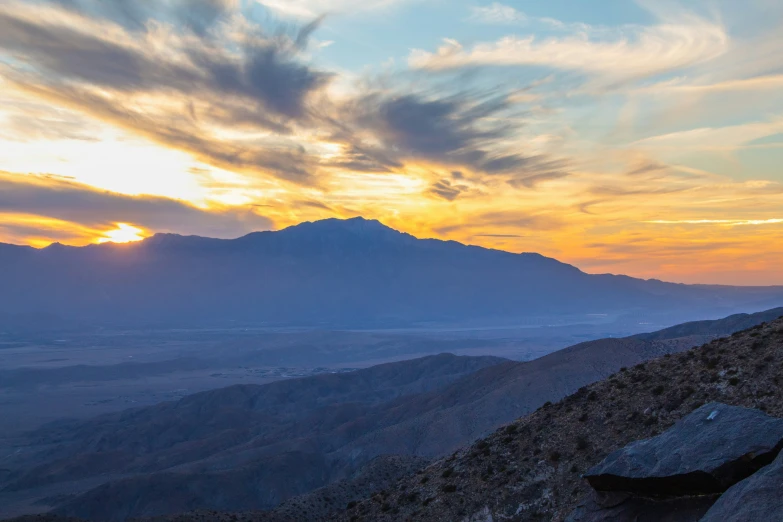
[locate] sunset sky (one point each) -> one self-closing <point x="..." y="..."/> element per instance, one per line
<point x="638" y="137"/>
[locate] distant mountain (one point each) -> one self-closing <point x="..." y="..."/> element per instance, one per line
<point x="251" y="447"/>
<point x="727" y="325"/>
<point x="333" y="272"/>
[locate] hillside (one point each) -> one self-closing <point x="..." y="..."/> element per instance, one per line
<point x="355" y="272"/>
<point x="530" y="469"/>
<point x="221" y="448"/>
<point x="252" y="447"/>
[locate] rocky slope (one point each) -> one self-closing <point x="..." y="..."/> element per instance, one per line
<point x="531" y="469"/>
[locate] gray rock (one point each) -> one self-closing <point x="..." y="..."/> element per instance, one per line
<point x="758" y="497"/>
<point x="624" y="507"/>
<point x="708" y="451"/>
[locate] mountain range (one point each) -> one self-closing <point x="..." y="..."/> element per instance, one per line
<point x="331" y="273"/>
<point x="252" y="447"/>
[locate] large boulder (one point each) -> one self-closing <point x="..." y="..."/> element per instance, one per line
<point x="625" y="507"/>
<point x="758" y="497"/>
<point x="711" y="449"/>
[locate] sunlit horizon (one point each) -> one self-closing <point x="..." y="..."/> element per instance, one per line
<point x="124" y="233"/>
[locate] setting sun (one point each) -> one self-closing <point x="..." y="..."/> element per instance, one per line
<point x="124" y="233"/>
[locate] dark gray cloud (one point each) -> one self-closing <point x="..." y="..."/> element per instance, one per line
<point x="607" y="190"/>
<point x="446" y="190"/>
<point x="255" y="82"/>
<point x="505" y="219"/>
<point x="311" y="204"/>
<point x="542" y="170"/>
<point x="359" y="158"/>
<point x="199" y="16"/>
<point x="264" y="72"/>
<point x="499" y="235"/>
<point x="443" y="129"/>
<point x="654" y="249"/>
<point x="65" y="200"/>
<point x="647" y="167"/>
<point x="239" y="76"/>
<point x="463" y="129"/>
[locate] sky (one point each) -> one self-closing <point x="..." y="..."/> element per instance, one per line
<point x="637" y="137"/>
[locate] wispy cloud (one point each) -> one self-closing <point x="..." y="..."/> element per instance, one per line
<point x="501" y="14"/>
<point x="683" y="86"/>
<point x="729" y="137"/>
<point x="727" y="222"/>
<point x="313" y="8"/>
<point x="681" y="41"/>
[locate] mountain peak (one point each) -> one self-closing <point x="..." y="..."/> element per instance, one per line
<point x="355" y="224"/>
<point x="352" y="228"/>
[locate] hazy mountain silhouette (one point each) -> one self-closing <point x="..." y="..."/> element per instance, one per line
<point x="337" y="272"/>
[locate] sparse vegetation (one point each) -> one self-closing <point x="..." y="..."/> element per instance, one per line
<point x="683" y="382"/>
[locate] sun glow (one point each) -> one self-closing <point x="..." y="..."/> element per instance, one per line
<point x="124" y="233"/>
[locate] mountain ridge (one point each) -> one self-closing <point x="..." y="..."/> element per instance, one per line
<point x="339" y="273"/>
<point x="343" y="225"/>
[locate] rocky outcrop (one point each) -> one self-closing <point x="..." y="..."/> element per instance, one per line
<point x="711" y="449"/>
<point x="678" y="475"/>
<point x="758" y="497"/>
<point x="622" y="507"/>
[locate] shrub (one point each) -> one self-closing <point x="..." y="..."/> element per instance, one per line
<point x="658" y="390"/>
<point x="712" y="363"/>
<point x="592" y="396"/>
<point x="447" y="472"/>
<point x="555" y="456"/>
<point x="583" y="417"/>
<point x="448" y="488"/>
<point x="351" y="504"/>
<point x="734" y="381"/>
<point x="582" y="443"/>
